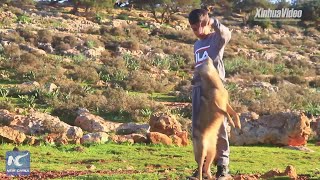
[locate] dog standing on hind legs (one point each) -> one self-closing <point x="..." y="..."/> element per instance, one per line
<point x="214" y="108"/>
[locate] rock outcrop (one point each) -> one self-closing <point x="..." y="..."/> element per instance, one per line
<point x="285" y="128"/>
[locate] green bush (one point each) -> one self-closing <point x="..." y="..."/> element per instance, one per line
<point x="88" y="74"/>
<point x="24" y="19"/>
<point x="131" y="63"/>
<point x="310" y="9"/>
<point x="185" y="36"/>
<point x="134" y="106"/>
<point x="66" y="113"/>
<point x="8" y="105"/>
<point x="264" y="23"/>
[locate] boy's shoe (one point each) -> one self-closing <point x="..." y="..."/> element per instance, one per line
<point x="223" y="173"/>
<point x="194" y="175"/>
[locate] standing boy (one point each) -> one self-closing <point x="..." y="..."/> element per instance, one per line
<point x="210" y="44"/>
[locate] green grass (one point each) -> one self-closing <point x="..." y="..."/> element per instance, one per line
<point x="163" y="97"/>
<point x="151" y="161"/>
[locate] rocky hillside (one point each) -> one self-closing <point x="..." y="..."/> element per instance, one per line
<point x="123" y="66"/>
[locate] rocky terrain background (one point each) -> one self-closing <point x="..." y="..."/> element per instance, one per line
<point x="118" y="75"/>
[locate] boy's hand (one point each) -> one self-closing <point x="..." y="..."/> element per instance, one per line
<point x="207" y="21"/>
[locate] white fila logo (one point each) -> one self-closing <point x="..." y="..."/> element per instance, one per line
<point x="204" y="56"/>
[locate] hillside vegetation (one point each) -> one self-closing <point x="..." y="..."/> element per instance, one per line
<point x="121" y="64"/>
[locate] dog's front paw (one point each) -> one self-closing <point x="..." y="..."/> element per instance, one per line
<point x="237" y="122"/>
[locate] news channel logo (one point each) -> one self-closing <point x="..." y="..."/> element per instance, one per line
<point x="17" y="163"/>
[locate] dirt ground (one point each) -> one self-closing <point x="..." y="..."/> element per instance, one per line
<point x="35" y="175"/>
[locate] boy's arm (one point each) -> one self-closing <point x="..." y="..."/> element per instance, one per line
<point x="224" y="32"/>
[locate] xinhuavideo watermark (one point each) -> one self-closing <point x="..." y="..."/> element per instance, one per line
<point x="284" y="14"/>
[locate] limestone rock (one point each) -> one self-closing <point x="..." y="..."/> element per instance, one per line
<point x="164" y="123"/>
<point x="285" y="128"/>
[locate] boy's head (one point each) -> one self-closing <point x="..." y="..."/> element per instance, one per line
<point x="199" y="22"/>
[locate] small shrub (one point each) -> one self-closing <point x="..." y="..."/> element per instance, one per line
<point x="98" y="18"/>
<point x="112" y="45"/>
<point x="123" y="16"/>
<point x="291" y="29"/>
<point x="66" y="112"/>
<point x="131" y="63"/>
<point x="45" y="36"/>
<point x="284" y="41"/>
<point x="92" y="42"/>
<point x="88" y="74"/>
<point x="62" y="47"/>
<point x="185" y="90"/>
<point x="313" y="109"/>
<point x="136" y="32"/>
<point x="241" y="65"/>
<point x="91" y="30"/>
<point x="68" y="85"/>
<point x="117" y="31"/>
<point x="309" y="43"/>
<point x="24" y="19"/>
<point x="105" y="30"/>
<point x="241" y="41"/>
<point x="268" y="105"/>
<point x="132" y="45"/>
<point x="28" y="59"/>
<point x="140" y="81"/>
<point x="295" y="79"/>
<point x="263" y="24"/>
<point x="162" y="63"/>
<point x="71" y="40"/>
<point x="28" y="34"/>
<point x="8" y="105"/>
<point x="176" y="17"/>
<point x="12" y="51"/>
<point x="123" y="102"/>
<point x="311" y="31"/>
<point x="12" y="36"/>
<point x="315" y="83"/>
<point x="57" y="39"/>
<point x="15" y="10"/>
<point x="298" y="67"/>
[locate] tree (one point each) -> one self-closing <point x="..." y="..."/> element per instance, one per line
<point x="282" y="4"/>
<point x="87" y="4"/>
<point x="248" y="7"/>
<point x="162" y="10"/>
<point x="226" y="4"/>
<point x="310" y="10"/>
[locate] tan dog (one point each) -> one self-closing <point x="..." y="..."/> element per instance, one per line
<point x="214" y="108"/>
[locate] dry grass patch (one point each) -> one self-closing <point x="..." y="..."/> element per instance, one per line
<point x="291" y="29"/>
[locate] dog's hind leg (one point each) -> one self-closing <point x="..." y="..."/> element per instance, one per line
<point x="209" y="159"/>
<point x="234" y="115"/>
<point x="200" y="154"/>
